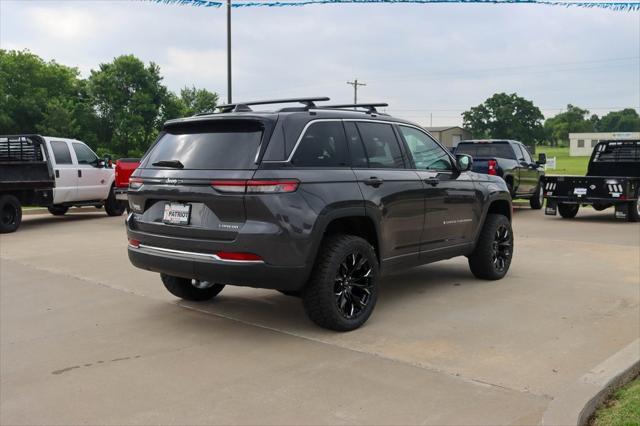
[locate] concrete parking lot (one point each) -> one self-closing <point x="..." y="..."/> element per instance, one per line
<point x="85" y="338"/>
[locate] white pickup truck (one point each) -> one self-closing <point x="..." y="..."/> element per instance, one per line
<point x="54" y="172"/>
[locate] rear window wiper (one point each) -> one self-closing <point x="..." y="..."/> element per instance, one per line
<point x="176" y="164"/>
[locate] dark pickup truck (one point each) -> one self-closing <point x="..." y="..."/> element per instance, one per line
<point x="511" y="161"/>
<point x="612" y="180"/>
<point x="26" y="177"/>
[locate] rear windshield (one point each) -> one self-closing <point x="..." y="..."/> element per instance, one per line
<point x="223" y="145"/>
<point x="486" y="150"/>
<point x="612" y="152"/>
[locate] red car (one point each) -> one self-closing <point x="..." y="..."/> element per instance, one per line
<point x="124" y="169"/>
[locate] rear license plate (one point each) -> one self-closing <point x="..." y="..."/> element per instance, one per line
<point x="177" y="213"/>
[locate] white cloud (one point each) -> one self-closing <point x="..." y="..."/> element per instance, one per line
<point x="436" y="59"/>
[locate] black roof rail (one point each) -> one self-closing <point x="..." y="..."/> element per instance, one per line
<point x="245" y="106"/>
<point x="370" y="107"/>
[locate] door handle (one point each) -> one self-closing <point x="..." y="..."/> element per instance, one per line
<point x="79" y="173"/>
<point x="374" y="181"/>
<point x="432" y="181"/>
<point x="58" y="174"/>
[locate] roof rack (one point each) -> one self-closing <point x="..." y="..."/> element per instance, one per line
<point x="245" y="106"/>
<point x="370" y="107"/>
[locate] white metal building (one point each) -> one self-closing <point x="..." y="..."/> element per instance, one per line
<point x="582" y="144"/>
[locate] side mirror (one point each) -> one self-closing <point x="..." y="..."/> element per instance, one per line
<point x="464" y="162"/>
<point x="542" y="159"/>
<point x="107" y="161"/>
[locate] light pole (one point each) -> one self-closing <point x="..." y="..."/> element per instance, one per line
<point x="229" y="97"/>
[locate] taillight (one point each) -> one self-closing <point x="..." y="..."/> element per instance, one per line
<point x="238" y="257"/>
<point x="272" y="186"/>
<point x="277" y="186"/>
<point x="135" y="183"/>
<point x="493" y="167"/>
<point x="134" y="243"/>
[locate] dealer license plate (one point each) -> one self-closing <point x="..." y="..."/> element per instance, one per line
<point x="177" y="213"/>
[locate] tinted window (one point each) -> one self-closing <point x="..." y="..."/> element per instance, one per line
<point x="358" y="157"/>
<point x="61" y="152"/>
<point x="486" y="150"/>
<point x="525" y="154"/>
<point x="322" y="145"/>
<point x="381" y="145"/>
<point x="426" y="153"/>
<point x="617" y="152"/>
<point x="84" y="154"/>
<point x="223" y="145"/>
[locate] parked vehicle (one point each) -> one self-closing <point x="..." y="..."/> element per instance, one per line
<point x="123" y="171"/>
<point x="53" y="172"/>
<point x="511" y="161"/>
<point x="314" y="201"/>
<point x="612" y="180"/>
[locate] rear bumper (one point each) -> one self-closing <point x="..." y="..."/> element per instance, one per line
<point x="208" y="267"/>
<point x="121" y="193"/>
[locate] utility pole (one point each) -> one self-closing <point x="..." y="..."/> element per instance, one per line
<point x="431" y="120"/>
<point x="355" y="85"/>
<point x="229" y="97"/>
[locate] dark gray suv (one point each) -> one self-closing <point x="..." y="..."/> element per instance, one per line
<point x="316" y="201"/>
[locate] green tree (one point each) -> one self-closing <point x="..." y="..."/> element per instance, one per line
<point x="573" y="120"/>
<point x="128" y="98"/>
<point x="505" y="116"/>
<point x="626" y="120"/>
<point x="39" y="96"/>
<point x="198" y="100"/>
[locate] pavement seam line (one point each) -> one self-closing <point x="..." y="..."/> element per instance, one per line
<point x="474" y="381"/>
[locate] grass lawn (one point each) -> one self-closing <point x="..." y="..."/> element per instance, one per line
<point x="565" y="165"/>
<point x="623" y="409"/>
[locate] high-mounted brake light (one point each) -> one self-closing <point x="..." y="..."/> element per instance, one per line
<point x="493" y="167"/>
<point x="258" y="186"/>
<point x="135" y="183"/>
<point x="238" y="257"/>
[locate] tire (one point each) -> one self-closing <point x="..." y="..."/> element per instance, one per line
<point x="568" y="211"/>
<point x="492" y="255"/>
<point x="291" y="293"/>
<point x="10" y="214"/>
<point x="537" y="201"/>
<point x="342" y="290"/>
<point x="112" y="206"/>
<point x="187" y="289"/>
<point x="58" y="210"/>
<point x="633" y="214"/>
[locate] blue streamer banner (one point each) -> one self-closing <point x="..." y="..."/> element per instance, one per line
<point x="611" y="5"/>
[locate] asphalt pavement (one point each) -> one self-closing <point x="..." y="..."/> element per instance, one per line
<point x="85" y="338"/>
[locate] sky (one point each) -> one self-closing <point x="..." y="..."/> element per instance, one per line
<point x="429" y="62"/>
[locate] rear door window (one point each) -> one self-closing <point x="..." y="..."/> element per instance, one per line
<point x="323" y="144"/>
<point x="225" y="145"/>
<point x="61" y="152"/>
<point x="381" y="145"/>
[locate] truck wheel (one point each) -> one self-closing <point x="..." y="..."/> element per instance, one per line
<point x="537" y="200"/>
<point x="568" y="211"/>
<point x="193" y="290"/>
<point x="634" y="211"/>
<point x="58" y="210"/>
<point x="342" y="290"/>
<point x="112" y="206"/>
<point x="491" y="258"/>
<point x="10" y="214"/>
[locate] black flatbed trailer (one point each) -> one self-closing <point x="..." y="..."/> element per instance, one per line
<point x="26" y="177"/>
<point x="612" y="180"/>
